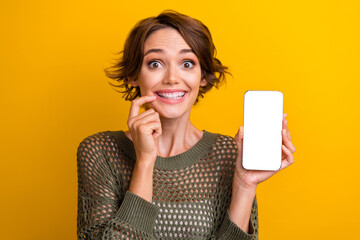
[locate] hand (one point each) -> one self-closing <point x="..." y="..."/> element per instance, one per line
<point x="249" y="179"/>
<point x="144" y="128"/>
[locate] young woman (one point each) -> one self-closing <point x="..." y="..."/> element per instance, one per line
<point x="164" y="178"/>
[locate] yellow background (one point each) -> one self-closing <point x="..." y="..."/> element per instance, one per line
<point x="54" y="93"/>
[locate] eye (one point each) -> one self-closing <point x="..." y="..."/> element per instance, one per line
<point x="188" y="64"/>
<point x="154" y="64"/>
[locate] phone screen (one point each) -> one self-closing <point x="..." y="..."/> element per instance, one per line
<point x="263" y="115"/>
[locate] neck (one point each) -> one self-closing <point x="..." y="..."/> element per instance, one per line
<point x="178" y="135"/>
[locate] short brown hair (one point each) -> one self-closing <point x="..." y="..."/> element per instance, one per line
<point x="194" y="32"/>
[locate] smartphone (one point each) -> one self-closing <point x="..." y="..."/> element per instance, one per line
<point x="263" y="115"/>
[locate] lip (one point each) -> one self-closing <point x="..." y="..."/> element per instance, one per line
<point x="170" y="90"/>
<point x="168" y="100"/>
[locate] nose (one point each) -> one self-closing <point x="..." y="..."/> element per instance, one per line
<point x="171" y="76"/>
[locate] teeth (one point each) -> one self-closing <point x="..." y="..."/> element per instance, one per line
<point x="174" y="95"/>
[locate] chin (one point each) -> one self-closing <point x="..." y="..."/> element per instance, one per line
<point x="171" y="113"/>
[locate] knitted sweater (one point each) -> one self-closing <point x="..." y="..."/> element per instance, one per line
<point x="191" y="191"/>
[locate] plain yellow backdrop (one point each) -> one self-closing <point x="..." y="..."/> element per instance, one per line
<point x="54" y="93"/>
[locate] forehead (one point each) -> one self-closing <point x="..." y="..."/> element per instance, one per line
<point x="166" y="38"/>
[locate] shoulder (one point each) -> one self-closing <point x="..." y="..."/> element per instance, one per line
<point x="113" y="145"/>
<point x="106" y="144"/>
<point x="95" y="141"/>
<point x="223" y="147"/>
<point x="100" y="148"/>
<point x="224" y="141"/>
<point x="222" y="158"/>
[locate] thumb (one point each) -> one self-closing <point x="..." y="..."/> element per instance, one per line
<point x="239" y="135"/>
<point x="239" y="143"/>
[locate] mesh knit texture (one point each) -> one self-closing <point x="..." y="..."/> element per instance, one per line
<point x="191" y="191"/>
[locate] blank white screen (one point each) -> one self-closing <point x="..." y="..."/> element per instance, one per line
<point x="263" y="114"/>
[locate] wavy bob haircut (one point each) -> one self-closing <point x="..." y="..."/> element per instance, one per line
<point x="194" y="32"/>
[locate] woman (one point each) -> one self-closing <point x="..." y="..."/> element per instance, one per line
<point x="164" y="178"/>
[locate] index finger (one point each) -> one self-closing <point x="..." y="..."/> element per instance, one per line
<point x="285" y="126"/>
<point x="135" y="104"/>
<point x="287" y="129"/>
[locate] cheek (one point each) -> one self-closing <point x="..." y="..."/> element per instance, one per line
<point x="194" y="80"/>
<point x="147" y="80"/>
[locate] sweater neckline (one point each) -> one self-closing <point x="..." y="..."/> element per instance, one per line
<point x="181" y="160"/>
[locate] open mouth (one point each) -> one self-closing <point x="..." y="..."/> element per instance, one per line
<point x="173" y="95"/>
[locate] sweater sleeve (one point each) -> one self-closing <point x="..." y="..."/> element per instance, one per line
<point x="102" y="212"/>
<point x="230" y="231"/>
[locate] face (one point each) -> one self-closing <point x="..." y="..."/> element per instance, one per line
<point x="171" y="71"/>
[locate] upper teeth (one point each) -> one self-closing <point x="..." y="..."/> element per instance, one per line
<point x="174" y="95"/>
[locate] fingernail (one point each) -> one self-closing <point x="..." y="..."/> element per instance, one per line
<point x="285" y="121"/>
<point x="284" y="131"/>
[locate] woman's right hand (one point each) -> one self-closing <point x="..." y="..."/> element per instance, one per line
<point x="144" y="128"/>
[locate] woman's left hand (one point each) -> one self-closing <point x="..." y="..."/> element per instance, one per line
<point x="249" y="179"/>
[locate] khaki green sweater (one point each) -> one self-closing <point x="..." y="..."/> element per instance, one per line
<point x="191" y="193"/>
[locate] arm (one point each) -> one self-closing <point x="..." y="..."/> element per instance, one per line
<point x="99" y="216"/>
<point x="240" y="208"/>
<point x="240" y="220"/>
<point x="102" y="213"/>
<point x="142" y="179"/>
<point x="230" y="230"/>
<point x="144" y="128"/>
<point x="244" y="188"/>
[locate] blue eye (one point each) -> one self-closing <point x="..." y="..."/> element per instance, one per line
<point x="188" y="64"/>
<point x="154" y="64"/>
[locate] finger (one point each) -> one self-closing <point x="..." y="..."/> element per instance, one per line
<point x="239" y="142"/>
<point x="155" y="128"/>
<point x="283" y="121"/>
<point x="287" y="129"/>
<point x="285" y="126"/>
<point x="289" y="159"/>
<point x="135" y="104"/>
<point x="240" y="134"/>
<point x="144" y="114"/>
<point x="287" y="141"/>
<point x="131" y="121"/>
<point x="239" y="139"/>
<point x="152" y="117"/>
<point x="157" y="131"/>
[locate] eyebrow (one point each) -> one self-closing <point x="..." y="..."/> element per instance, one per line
<point x="158" y="50"/>
<point x="186" y="50"/>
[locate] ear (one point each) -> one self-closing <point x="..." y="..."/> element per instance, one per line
<point x="203" y="82"/>
<point x="133" y="83"/>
